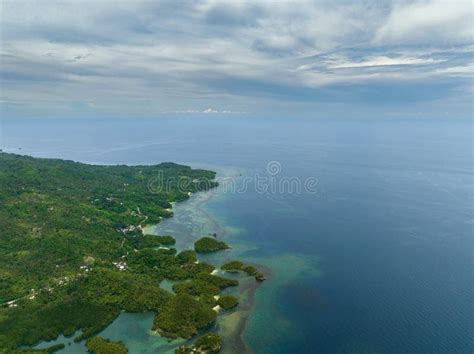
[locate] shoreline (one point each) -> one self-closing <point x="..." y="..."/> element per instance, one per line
<point x="230" y="326"/>
<point x="239" y="318"/>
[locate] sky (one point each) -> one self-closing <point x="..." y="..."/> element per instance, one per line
<point x="372" y="58"/>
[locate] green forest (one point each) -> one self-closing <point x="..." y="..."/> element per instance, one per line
<point x="72" y="251"/>
<point x="73" y="254"/>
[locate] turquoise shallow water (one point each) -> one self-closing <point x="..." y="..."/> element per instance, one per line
<point x="379" y="260"/>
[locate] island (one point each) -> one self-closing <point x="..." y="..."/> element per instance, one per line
<point x="208" y="343"/>
<point x="98" y="345"/>
<point x="207" y="244"/>
<point x="227" y="302"/>
<point x="238" y="266"/>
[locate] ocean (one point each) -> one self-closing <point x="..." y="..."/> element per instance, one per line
<point x="364" y="227"/>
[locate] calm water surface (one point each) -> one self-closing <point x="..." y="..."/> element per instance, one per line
<point x="379" y="260"/>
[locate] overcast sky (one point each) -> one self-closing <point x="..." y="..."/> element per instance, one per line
<point x="255" y="58"/>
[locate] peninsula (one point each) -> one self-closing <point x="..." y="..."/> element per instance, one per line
<point x="73" y="254"/>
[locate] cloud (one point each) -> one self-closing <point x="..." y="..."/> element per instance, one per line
<point x="385" y="61"/>
<point x="457" y="70"/>
<point x="204" y="111"/>
<point x="418" y="22"/>
<point x="234" y="56"/>
<point x="210" y="110"/>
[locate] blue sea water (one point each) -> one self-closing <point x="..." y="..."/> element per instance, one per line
<point x="378" y="260"/>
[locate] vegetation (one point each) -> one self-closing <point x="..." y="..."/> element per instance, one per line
<point x="55" y="212"/>
<point x="218" y="281"/>
<point x="196" y="287"/>
<point x="233" y="266"/>
<point x="208" y="343"/>
<point x="128" y="291"/>
<point x="227" y="302"/>
<point x="250" y="270"/>
<point x="186" y="257"/>
<point x="149" y="241"/>
<point x="208" y="244"/>
<point x="73" y="254"/>
<point x="72" y="251"/>
<point x="237" y="266"/>
<point x="30" y="323"/>
<point x="98" y="345"/>
<point x="182" y="316"/>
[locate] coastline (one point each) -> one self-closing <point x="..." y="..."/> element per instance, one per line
<point x="234" y="324"/>
<point x="193" y="220"/>
<point x="192" y="212"/>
